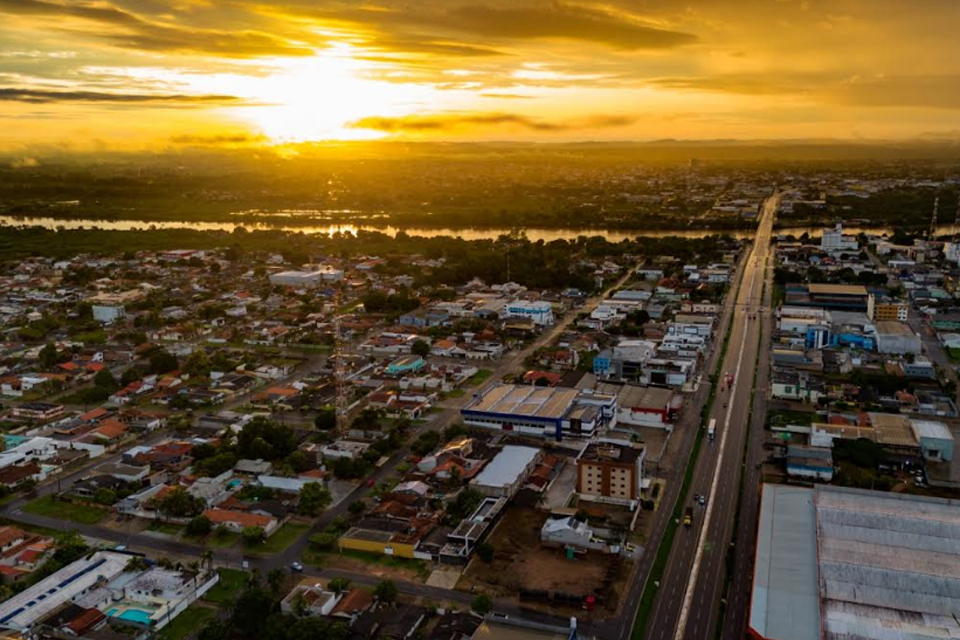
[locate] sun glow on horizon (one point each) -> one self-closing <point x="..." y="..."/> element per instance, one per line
<point x="316" y="98"/>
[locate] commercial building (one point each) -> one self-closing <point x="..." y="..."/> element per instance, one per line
<point x="108" y="313"/>
<point x="611" y="471"/>
<point x="625" y="361"/>
<point x="897" y="338"/>
<point x="540" y="311"/>
<point x="405" y="365"/>
<point x="505" y="474"/>
<point x="895" y="311"/>
<point x="640" y="406"/>
<point x="934" y="439"/>
<point x="833" y="240"/>
<point x="848" y="563"/>
<point x="297" y="279"/>
<point x="38" y="411"/>
<point x="503" y="628"/>
<point x="552" y="412"/>
<point x="839" y="297"/>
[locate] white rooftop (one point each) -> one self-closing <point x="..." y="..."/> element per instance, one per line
<point x="506" y="466"/>
<point x="24" y="609"/>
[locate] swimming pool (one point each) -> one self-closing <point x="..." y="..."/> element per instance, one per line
<point x="12" y="441"/>
<point x="132" y="615"/>
<point x="233" y="484"/>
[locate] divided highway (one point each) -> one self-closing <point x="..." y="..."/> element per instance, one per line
<point x="688" y="597"/>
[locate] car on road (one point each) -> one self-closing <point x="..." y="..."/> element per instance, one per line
<point x="296" y="567"/>
<point x="702" y="500"/>
<point x="688" y="517"/>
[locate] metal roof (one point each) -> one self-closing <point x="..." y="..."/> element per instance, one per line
<point x="786" y="602"/>
<point x="863" y="564"/>
<point x="506" y="466"/>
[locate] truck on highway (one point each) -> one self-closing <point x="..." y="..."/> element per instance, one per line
<point x="688" y="517"/>
<point x="712" y="429"/>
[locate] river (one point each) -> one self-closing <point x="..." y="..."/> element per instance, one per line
<point x="533" y="233"/>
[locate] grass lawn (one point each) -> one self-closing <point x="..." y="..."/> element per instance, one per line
<point x="231" y="581"/>
<point x="457" y="393"/>
<point x="280" y="540"/>
<point x="51" y="507"/>
<point x="418" y="566"/>
<point x="480" y="377"/>
<point x="220" y="541"/>
<point x="187" y="622"/>
<point x="953" y="354"/>
<point x="165" y="527"/>
<point x="319" y="559"/>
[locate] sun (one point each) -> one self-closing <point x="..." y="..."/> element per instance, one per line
<point x="316" y="98"/>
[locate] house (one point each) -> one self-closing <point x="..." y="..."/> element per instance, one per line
<point x="352" y="604"/>
<point x="314" y="598"/>
<point x="13" y="475"/>
<point x="237" y="521"/>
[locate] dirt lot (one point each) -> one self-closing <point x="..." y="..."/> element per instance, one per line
<point x="521" y="563"/>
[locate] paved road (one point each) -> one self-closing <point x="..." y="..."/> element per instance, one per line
<point x="686" y="430"/>
<point x="738" y="598"/>
<point x="687" y="602"/>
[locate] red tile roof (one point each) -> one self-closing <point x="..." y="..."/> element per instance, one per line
<point x="221" y="516"/>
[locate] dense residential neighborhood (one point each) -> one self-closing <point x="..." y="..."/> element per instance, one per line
<point x="366" y="445"/>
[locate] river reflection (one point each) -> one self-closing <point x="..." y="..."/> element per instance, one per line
<point x="533" y="233"/>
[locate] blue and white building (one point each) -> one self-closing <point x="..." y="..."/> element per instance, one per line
<point x="540" y="311"/>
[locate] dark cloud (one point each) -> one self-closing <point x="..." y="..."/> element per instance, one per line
<point x="448" y="121"/>
<point x="475" y="24"/>
<point x="126" y="29"/>
<point x="214" y="140"/>
<point x="936" y="92"/>
<point x="41" y="96"/>
<point x="560" y="20"/>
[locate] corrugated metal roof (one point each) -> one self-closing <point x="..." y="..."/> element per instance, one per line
<point x="786" y="603"/>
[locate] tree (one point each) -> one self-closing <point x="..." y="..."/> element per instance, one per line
<point x="298" y="461"/>
<point x="386" y="591"/>
<point x="178" y="503"/>
<point x="264" y="439"/>
<point x="482" y="604"/>
<point x="131" y="374"/>
<point x="49" y="355"/>
<point x="420" y="348"/>
<point x="163" y="362"/>
<point x="338" y="585"/>
<point x="357" y="507"/>
<point x="314" y="498"/>
<point x="485" y="552"/>
<point x="199" y="526"/>
<point x="299" y="604"/>
<point x="105" y="380"/>
<point x="197" y="364"/>
<point x="326" y="419"/>
<point x="324" y="541"/>
<point x="105" y="496"/>
<point x="136" y="563"/>
<point x="275" y="580"/>
<point x="252" y="535"/>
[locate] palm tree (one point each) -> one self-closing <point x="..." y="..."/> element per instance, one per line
<point x="206" y="557"/>
<point x="338" y="585"/>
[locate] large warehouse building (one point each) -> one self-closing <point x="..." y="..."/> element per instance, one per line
<point x="541" y="411"/>
<point x="835" y="563"/>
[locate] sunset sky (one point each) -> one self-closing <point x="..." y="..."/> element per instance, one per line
<point x="155" y="73"/>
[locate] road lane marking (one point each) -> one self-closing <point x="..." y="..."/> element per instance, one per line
<point x="704" y="529"/>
